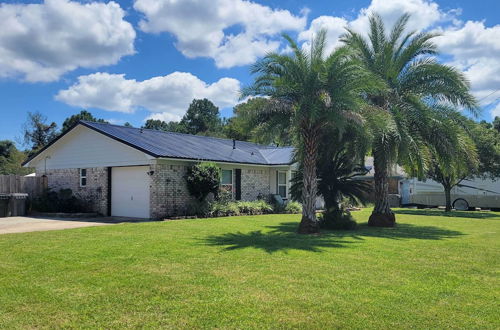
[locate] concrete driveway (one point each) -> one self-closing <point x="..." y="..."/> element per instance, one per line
<point x="27" y="224"/>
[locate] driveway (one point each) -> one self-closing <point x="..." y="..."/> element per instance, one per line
<point x="27" y="224"/>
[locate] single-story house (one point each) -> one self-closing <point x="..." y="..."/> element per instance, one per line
<point x="134" y="172"/>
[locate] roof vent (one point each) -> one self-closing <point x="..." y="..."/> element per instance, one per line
<point x="141" y="130"/>
<point x="234" y="144"/>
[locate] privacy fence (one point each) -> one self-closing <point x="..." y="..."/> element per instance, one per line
<point x="31" y="185"/>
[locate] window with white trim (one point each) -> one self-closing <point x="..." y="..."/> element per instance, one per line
<point x="227" y="180"/>
<point x="282" y="184"/>
<point x="83" y="177"/>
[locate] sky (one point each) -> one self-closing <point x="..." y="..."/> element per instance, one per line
<point x="131" y="60"/>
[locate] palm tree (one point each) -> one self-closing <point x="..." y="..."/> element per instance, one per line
<point x="310" y="91"/>
<point x="463" y="163"/>
<point x="402" y="116"/>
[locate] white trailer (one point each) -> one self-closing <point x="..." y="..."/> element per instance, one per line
<point x="467" y="195"/>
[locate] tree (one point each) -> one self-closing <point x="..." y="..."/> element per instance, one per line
<point x="83" y="115"/>
<point x="496" y="123"/>
<point x="202" y="116"/>
<point x="250" y="123"/>
<point x="310" y="91"/>
<point x="463" y="163"/>
<point x="37" y="132"/>
<point x="160" y="125"/>
<point x="203" y="179"/>
<point x="401" y="116"/>
<point x="487" y="142"/>
<point x="340" y="161"/>
<point x="11" y="159"/>
<point x="127" y="124"/>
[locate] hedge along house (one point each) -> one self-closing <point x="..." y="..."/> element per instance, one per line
<point x="133" y="172"/>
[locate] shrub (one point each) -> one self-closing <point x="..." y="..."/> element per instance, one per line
<point x="222" y="209"/>
<point x="337" y="219"/>
<point x="231" y="208"/>
<point x="293" y="207"/>
<point x="60" y="201"/>
<point x="199" y="208"/>
<point x="203" y="179"/>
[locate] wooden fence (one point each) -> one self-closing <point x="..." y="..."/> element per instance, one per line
<point x="31" y="185"/>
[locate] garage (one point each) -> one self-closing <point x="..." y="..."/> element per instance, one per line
<point x="130" y="191"/>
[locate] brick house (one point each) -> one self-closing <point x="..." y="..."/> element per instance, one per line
<point x="133" y="172"/>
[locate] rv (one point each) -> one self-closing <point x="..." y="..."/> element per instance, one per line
<point x="469" y="194"/>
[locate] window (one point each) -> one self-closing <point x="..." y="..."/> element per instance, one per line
<point x="227" y="180"/>
<point x="83" y="177"/>
<point x="282" y="184"/>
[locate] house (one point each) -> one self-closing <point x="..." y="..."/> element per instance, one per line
<point x="134" y="172"/>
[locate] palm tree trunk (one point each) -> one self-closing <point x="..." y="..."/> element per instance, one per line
<point x="309" y="223"/>
<point x="447" y="194"/>
<point x="382" y="216"/>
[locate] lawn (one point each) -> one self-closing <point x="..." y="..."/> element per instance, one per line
<point x="431" y="271"/>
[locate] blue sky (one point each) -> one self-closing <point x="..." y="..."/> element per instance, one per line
<point x="132" y="60"/>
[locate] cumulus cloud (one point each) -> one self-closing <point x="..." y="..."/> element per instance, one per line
<point x="40" y="42"/>
<point x="471" y="46"/>
<point x="423" y="15"/>
<point x="168" y="95"/>
<point x="475" y="49"/>
<point x="232" y="32"/>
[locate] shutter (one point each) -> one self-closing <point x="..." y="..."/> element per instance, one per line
<point x="277" y="182"/>
<point x="238" y="184"/>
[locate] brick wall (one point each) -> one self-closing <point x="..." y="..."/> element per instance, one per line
<point x="169" y="194"/>
<point x="95" y="193"/>
<point x="254" y="182"/>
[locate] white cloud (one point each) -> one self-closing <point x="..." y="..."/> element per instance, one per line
<point x="335" y="27"/>
<point x="423" y="15"/>
<point x="168" y="95"/>
<point x="40" y="42"/>
<point x="475" y="49"/>
<point x="470" y="46"/>
<point x="232" y="32"/>
<point x="164" y="116"/>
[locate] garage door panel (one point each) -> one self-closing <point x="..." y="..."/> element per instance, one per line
<point x="130" y="191"/>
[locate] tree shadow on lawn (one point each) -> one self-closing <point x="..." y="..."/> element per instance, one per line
<point x="283" y="237"/>
<point x="452" y="214"/>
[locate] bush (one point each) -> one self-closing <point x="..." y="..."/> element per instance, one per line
<point x="60" y="201"/>
<point x="231" y="208"/>
<point x="199" y="208"/>
<point x="203" y="179"/>
<point x="293" y="207"/>
<point x="337" y="219"/>
<point x="223" y="209"/>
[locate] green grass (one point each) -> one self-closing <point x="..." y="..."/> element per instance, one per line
<point x="254" y="272"/>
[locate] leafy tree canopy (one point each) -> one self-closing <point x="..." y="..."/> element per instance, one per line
<point x="202" y="116"/>
<point x="203" y="179"/>
<point x="11" y="159"/>
<point x="250" y="122"/>
<point x="496" y="123"/>
<point x="487" y="142"/>
<point x="161" y="125"/>
<point x="83" y="115"/>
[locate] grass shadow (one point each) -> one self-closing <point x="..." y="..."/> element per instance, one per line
<point x="283" y="237"/>
<point x="274" y="241"/>
<point x="452" y="214"/>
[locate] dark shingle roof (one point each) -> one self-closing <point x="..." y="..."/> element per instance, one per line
<point x="185" y="146"/>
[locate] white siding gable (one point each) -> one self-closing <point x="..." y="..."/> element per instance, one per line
<point x="83" y="147"/>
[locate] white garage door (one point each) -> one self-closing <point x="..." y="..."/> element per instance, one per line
<point x="130" y="191"/>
